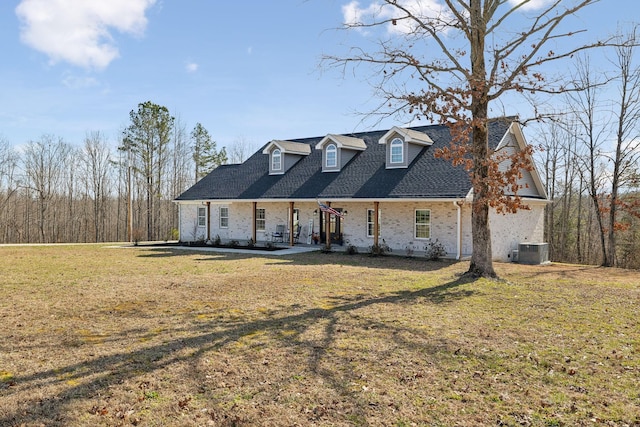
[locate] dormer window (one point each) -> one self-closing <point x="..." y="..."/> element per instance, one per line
<point x="397" y="151"/>
<point x="276" y="160"/>
<point x="338" y="150"/>
<point x="331" y="156"/>
<point x="283" y="155"/>
<point x="403" y="146"/>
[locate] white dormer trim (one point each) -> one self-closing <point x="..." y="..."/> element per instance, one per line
<point x="408" y="135"/>
<point x="341" y="141"/>
<point x="289" y="152"/>
<point x="402" y="146"/>
<point x="346" y="147"/>
<point x="288" y="147"/>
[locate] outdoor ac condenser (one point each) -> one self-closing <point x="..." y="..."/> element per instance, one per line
<point x="533" y="253"/>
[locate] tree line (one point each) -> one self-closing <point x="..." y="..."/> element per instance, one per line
<point x="53" y="191"/>
<point x="591" y="162"/>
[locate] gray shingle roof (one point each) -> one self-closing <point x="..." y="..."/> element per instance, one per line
<point x="363" y="177"/>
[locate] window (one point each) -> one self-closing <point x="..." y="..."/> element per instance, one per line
<point x="370" y="223"/>
<point x="331" y="156"/>
<point x="202" y="217"/>
<point x="276" y="160"/>
<point x="224" y="217"/>
<point x="260" y="219"/>
<point x="423" y="224"/>
<point x="397" y="151"/>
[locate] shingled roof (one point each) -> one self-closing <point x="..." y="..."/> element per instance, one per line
<point x="364" y="177"/>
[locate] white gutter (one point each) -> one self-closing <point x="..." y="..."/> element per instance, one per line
<point x="458" y="205"/>
<point x="179" y="222"/>
<point x="330" y="199"/>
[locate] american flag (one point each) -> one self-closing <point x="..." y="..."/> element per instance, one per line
<point x="325" y="208"/>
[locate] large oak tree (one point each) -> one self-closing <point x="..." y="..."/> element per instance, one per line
<point x="449" y="61"/>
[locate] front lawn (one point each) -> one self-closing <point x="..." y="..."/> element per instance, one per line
<point x="104" y="336"/>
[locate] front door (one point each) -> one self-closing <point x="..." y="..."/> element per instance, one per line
<point x="335" y="229"/>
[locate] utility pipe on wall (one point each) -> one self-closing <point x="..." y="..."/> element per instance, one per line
<point x="458" y="204"/>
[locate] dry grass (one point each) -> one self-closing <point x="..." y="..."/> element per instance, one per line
<point x="157" y="337"/>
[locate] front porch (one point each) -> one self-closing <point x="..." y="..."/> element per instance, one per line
<point x="405" y="226"/>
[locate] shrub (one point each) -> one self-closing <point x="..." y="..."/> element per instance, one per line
<point x="234" y="243"/>
<point x="380" y="249"/>
<point x="434" y="251"/>
<point x="174" y="234"/>
<point x="409" y="249"/>
<point x="137" y="235"/>
<point x="251" y="243"/>
<point x="217" y="241"/>
<point x="326" y="249"/>
<point x="351" y="249"/>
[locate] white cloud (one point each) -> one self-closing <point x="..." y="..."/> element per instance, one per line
<point x="355" y="15"/>
<point x="78" y="82"/>
<point x="191" y="67"/>
<point x="79" y="32"/>
<point x="532" y="4"/>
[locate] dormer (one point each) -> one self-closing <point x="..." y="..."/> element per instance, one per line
<point x="403" y="146"/>
<point x="284" y="154"/>
<point x="337" y="150"/>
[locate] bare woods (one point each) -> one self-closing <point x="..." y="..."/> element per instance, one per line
<point x="54" y="191"/>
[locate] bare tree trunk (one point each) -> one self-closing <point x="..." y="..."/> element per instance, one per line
<point x="482" y="258"/>
<point x="579" y="250"/>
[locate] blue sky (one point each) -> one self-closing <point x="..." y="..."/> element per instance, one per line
<point x="245" y="70"/>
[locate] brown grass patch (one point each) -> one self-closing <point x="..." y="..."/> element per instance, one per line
<point x="102" y="336"/>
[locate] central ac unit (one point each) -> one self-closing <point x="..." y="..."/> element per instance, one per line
<point x="533" y="253"/>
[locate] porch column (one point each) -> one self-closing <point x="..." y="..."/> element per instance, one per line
<point x="208" y="221"/>
<point x="290" y="223"/>
<point x="376" y="226"/>
<point x="253" y="221"/>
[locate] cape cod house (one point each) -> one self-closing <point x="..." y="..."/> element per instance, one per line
<point x="387" y="180"/>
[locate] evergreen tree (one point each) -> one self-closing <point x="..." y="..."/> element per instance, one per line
<point x="205" y="154"/>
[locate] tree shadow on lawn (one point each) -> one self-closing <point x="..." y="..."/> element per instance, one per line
<point x="393" y="262"/>
<point x="87" y="380"/>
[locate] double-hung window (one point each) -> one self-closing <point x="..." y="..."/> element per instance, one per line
<point x="422" y="224"/>
<point x="260" y="219"/>
<point x="276" y="160"/>
<point x="224" y="217"/>
<point x="397" y="151"/>
<point x="331" y="156"/>
<point x="370" y="222"/>
<point x="202" y="217"/>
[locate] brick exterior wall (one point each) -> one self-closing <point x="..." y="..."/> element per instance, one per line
<point x="397" y="221"/>
<point x="507" y="231"/>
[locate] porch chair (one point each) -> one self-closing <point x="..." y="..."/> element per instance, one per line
<point x="278" y="235"/>
<point x="296" y="233"/>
